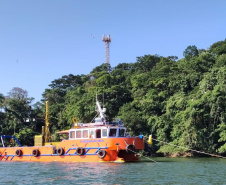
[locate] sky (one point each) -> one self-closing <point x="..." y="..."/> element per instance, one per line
<point x="41" y="41"/>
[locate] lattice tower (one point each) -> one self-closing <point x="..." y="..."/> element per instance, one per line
<point x="107" y="40"/>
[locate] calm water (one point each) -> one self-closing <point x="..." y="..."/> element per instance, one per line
<point x="165" y="171"/>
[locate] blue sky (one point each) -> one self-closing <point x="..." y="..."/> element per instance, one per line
<point x="43" y="40"/>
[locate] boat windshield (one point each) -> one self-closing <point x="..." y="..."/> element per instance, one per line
<point x="113" y="132"/>
<point x="121" y="132"/>
<point x="98" y="133"/>
<point x="104" y="132"/>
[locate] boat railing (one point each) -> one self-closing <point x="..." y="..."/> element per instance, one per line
<point x="10" y="137"/>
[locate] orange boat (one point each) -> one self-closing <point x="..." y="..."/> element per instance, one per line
<point x="100" y="141"/>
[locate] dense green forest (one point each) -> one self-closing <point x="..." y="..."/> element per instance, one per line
<point x="182" y="102"/>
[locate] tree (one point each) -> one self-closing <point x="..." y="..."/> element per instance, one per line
<point x="146" y="63"/>
<point x="221" y="61"/>
<point x="190" y="52"/>
<point x="18" y="104"/>
<point x="67" y="81"/>
<point x="103" y="67"/>
<point x="218" y="48"/>
<point x="18" y="116"/>
<point x="132" y="120"/>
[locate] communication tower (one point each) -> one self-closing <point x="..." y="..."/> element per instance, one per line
<point x="107" y="40"/>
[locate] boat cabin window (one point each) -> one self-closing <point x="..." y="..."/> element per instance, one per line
<point x="104" y="132"/>
<point x="98" y="133"/>
<point x="85" y="133"/>
<point x="121" y="132"/>
<point x="78" y="134"/>
<point x="91" y="135"/>
<point x="72" y="134"/>
<point x="113" y="132"/>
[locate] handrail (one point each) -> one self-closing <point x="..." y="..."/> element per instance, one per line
<point x="7" y="136"/>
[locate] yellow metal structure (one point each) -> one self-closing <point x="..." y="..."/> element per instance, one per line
<point x="75" y="122"/>
<point x="39" y="140"/>
<point x="47" y="124"/>
<point x="52" y="143"/>
<point x="45" y="138"/>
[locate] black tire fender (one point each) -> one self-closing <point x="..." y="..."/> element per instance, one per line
<point x="60" y="151"/>
<point x="101" y="154"/>
<point x="35" y="153"/>
<point x="80" y="151"/>
<point x="19" y="153"/>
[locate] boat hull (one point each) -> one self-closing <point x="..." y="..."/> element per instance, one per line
<point x="113" y="150"/>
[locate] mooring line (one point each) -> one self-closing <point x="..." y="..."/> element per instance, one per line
<point x="214" y="155"/>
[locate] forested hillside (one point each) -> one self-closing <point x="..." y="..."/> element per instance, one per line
<point x="182" y="102"/>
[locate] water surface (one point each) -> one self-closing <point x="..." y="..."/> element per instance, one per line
<point x="164" y="171"/>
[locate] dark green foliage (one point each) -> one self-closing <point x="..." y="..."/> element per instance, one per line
<point x="221" y="61"/>
<point x="190" y="52"/>
<point x="19" y="117"/>
<point x="218" y="48"/>
<point x="146" y="63"/>
<point x="132" y="119"/>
